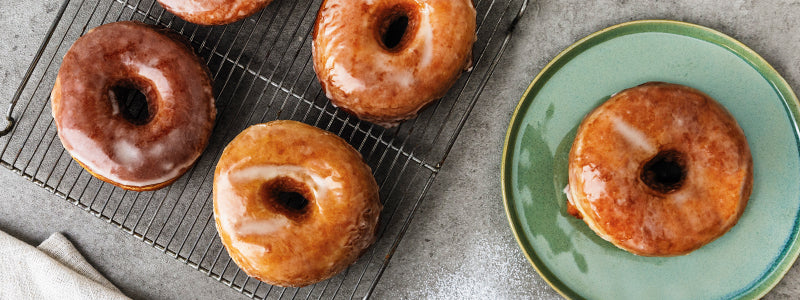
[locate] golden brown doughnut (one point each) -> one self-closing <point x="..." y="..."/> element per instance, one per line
<point x="660" y="170"/>
<point x="93" y="126"/>
<point x="213" y="12"/>
<point x="384" y="60"/>
<point x="294" y="204"/>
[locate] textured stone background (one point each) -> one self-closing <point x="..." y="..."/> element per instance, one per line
<point x="459" y="244"/>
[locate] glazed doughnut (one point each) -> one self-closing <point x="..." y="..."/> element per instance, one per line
<point x="99" y="131"/>
<point x="294" y="204"/>
<point x="213" y="12"/>
<point x="384" y="60"/>
<point x="660" y="170"/>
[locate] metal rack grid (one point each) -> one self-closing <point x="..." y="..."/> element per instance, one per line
<point x="262" y="71"/>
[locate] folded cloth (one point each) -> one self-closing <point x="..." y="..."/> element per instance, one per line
<point x="54" y="270"/>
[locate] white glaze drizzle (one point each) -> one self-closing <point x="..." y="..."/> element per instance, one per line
<point x="425" y="35"/>
<point x="342" y="78"/>
<point x="156" y="76"/>
<point x="262" y="227"/>
<point x="124" y="154"/>
<point x="234" y="216"/>
<point x="318" y="185"/>
<point x="593" y="186"/>
<point x="632" y="135"/>
<point x="127" y="153"/>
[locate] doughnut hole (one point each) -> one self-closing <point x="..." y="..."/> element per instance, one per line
<point x="396" y="26"/>
<point x="288" y="197"/>
<point x="665" y="172"/>
<point x="131" y="102"/>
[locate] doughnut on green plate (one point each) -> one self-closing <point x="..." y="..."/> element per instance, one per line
<point x="747" y="261"/>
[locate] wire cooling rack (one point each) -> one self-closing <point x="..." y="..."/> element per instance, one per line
<point x="262" y="71"/>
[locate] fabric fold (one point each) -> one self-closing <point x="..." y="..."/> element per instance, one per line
<point x="53" y="270"/>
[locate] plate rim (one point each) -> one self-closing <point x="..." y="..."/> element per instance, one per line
<point x="778" y="83"/>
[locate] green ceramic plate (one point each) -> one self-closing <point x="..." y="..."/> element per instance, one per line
<point x="744" y="263"/>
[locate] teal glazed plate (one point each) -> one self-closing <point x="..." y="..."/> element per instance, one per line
<point x="747" y="261"/>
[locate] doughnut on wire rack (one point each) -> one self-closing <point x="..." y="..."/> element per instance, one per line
<point x="262" y="71"/>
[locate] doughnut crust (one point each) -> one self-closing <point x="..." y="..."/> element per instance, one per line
<point x="640" y="132"/>
<point x="385" y="83"/>
<point x="91" y="122"/>
<point x="213" y="12"/>
<point x="285" y="241"/>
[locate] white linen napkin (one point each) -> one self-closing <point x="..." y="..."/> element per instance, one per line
<point x="54" y="270"/>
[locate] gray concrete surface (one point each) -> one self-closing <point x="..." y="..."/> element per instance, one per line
<point x="459" y="244"/>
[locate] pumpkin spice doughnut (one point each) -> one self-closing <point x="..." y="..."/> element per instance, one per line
<point x="660" y="170"/>
<point x="213" y="12"/>
<point x="294" y="204"/>
<point x="384" y="60"/>
<point x="97" y="128"/>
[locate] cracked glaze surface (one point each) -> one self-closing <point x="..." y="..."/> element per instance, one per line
<point x="213" y="12"/>
<point x="88" y="118"/>
<point x="619" y="137"/>
<point x="387" y="86"/>
<point x="290" y="249"/>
